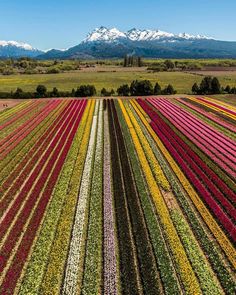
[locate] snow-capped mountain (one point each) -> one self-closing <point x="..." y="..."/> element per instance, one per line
<point x="17" y="49"/>
<point x="104" y="43"/>
<point x="104" y="34"/>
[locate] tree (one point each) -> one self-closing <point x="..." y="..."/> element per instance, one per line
<point x="41" y="91"/>
<point x="140" y="62"/>
<point x="169" y="64"/>
<point x="85" y="91"/>
<point x="112" y="92"/>
<point x="18" y="93"/>
<point x="233" y="90"/>
<point x="105" y="92"/>
<point x="169" y="90"/>
<point x="143" y="88"/>
<point x="206" y="86"/>
<point x="215" y="86"/>
<point x="157" y="89"/>
<point x="126" y="61"/>
<point x="227" y="89"/>
<point x="123" y="90"/>
<point x="55" y="92"/>
<point x="195" y="88"/>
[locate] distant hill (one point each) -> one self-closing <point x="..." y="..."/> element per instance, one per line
<point x="15" y="49"/>
<point x="104" y="43"/>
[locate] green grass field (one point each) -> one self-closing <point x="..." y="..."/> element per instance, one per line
<point x="181" y="81"/>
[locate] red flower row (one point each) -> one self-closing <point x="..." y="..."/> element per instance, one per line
<point x="218" y="106"/>
<point x="210" y="133"/>
<point x="19" y="136"/>
<point x="49" y="175"/>
<point x="20" y="114"/>
<point x="209" y="116"/>
<point x="24" y="170"/>
<point x="187" y="169"/>
<point x="193" y="133"/>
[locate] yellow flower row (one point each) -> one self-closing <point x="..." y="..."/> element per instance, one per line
<point x="213" y="108"/>
<point x="227" y="105"/>
<point x="54" y="273"/>
<point x="156" y="169"/>
<point x="185" y="270"/>
<point x="211" y="223"/>
<point x="13" y="110"/>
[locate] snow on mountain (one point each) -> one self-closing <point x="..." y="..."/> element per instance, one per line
<point x="104" y="34"/>
<point x="17" y="49"/>
<point x="16" y="44"/>
<point x="147" y="35"/>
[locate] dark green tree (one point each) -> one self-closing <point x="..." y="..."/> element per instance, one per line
<point x="126" y="61"/>
<point x="142" y="88"/>
<point x="123" y="90"/>
<point x="85" y="91"/>
<point x="169" y="64"/>
<point x="169" y="90"/>
<point x="206" y="86"/>
<point x="41" y="91"/>
<point x="195" y="88"/>
<point x="227" y="89"/>
<point x="157" y="89"/>
<point x="215" y="86"/>
<point x="18" y="93"/>
<point x="55" y="92"/>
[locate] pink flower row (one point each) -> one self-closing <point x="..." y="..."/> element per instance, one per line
<point x="50" y="176"/>
<point x="171" y="146"/>
<point x="218" y="106"/>
<point x="24" y="169"/>
<point x="192" y="133"/>
<point x="209" y="115"/>
<point x="24" y="125"/>
<point x="20" y="114"/>
<point x="20" y="135"/>
<point x="213" y="183"/>
<point x="211" y="135"/>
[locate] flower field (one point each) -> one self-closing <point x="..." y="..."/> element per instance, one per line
<point x="112" y="196"/>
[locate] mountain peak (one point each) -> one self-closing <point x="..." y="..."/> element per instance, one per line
<point x="104" y="34"/>
<point x="16" y="44"/>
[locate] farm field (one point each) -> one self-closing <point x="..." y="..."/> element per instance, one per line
<point x="112" y="196"/>
<point x="110" y="78"/>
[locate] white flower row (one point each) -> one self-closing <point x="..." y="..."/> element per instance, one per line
<point x="110" y="265"/>
<point x="76" y="244"/>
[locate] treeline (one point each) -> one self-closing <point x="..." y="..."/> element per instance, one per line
<point x="171" y="65"/>
<point x="211" y="85"/>
<point x="136" y="88"/>
<point x="42" y="92"/>
<point x="144" y="88"/>
<point x="132" y="61"/>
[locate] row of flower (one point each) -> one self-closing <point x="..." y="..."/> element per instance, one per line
<point x="11" y="112"/>
<point x="210" y="134"/>
<point x="14" y="158"/>
<point x="27" y="208"/>
<point x="197" y="226"/>
<point x="195" y="198"/>
<point x="11" y="141"/>
<point x="208" y="115"/>
<point x="212" y="149"/>
<point x="115" y="197"/>
<point x="219" y="106"/>
<point x="20" y="117"/>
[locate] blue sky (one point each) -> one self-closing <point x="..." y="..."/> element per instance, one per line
<point x="61" y="24"/>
